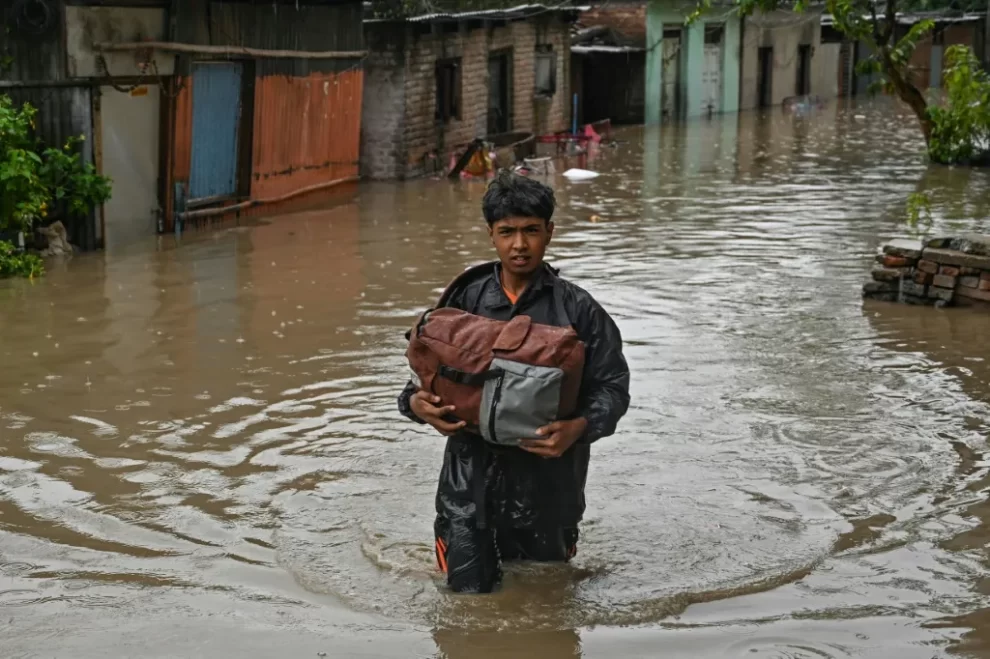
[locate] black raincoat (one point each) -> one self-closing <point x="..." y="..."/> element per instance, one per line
<point x="500" y="503"/>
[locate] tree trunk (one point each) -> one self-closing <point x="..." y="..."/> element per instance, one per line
<point x="908" y="93"/>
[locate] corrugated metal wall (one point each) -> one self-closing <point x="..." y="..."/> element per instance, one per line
<point x="275" y="26"/>
<point x="34" y="45"/>
<point x="64" y="112"/>
<point x="305" y="124"/>
<point x="36" y="48"/>
<point x="320" y="142"/>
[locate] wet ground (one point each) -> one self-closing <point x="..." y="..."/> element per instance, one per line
<point x="200" y="453"/>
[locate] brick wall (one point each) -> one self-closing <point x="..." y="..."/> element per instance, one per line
<point x="629" y="18"/>
<point x="401" y="136"/>
<point x="921" y="59"/>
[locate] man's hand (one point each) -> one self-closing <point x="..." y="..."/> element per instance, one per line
<point x="426" y="406"/>
<point x="560" y="436"/>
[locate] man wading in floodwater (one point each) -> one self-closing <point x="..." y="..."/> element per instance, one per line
<point x="500" y="503"/>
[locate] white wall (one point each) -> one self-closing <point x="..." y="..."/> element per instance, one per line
<point x="86" y="26"/>
<point x="784" y="32"/>
<point x="825" y="70"/>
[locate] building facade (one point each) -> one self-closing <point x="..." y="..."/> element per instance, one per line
<point x="608" y="63"/>
<point x="692" y="67"/>
<point x="191" y="106"/>
<point x="437" y="82"/>
<point x="778" y="51"/>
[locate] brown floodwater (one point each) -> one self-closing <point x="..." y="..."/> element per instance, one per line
<point x="200" y="454"/>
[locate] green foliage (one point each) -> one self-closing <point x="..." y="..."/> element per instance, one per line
<point x="961" y="124"/>
<point x="23" y="194"/>
<point x="15" y="264"/>
<point x="919" y="211"/>
<point x="73" y="181"/>
<point x="899" y="56"/>
<point x="32" y="178"/>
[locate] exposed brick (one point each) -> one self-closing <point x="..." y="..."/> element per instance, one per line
<point x="974" y="294"/>
<point x="928" y="266"/>
<point x="889" y="274"/>
<point x="629" y="18"/>
<point x="984" y="285"/>
<point x="891" y="261"/>
<point x="949" y="270"/>
<point x="939" y="293"/>
<point x="969" y="272"/>
<point x="944" y="281"/>
<point x="874" y="287"/>
<point x="985" y="276"/>
<point x="911" y="288"/>
<point x="426" y="143"/>
<point x="923" y="278"/>
<point x="952" y="257"/>
<point x="969" y="282"/>
<point x="910" y="249"/>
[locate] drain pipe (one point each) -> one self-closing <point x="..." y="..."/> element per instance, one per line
<point x="251" y="203"/>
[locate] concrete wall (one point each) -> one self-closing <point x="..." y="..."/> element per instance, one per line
<point x="383" y="148"/>
<point x="419" y="143"/>
<point x="661" y="14"/>
<point x="86" y="26"/>
<point x="825" y="70"/>
<point x="784" y="32"/>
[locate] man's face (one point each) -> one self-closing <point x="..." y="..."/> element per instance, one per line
<point x="520" y="243"/>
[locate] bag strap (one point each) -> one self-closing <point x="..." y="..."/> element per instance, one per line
<point x="469" y="379"/>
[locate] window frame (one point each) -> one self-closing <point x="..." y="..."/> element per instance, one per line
<point x="447" y="72"/>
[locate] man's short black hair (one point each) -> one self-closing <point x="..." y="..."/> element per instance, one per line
<point x="511" y="195"/>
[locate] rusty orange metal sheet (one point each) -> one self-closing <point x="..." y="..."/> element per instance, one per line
<point x="182" y="156"/>
<point x="306" y="131"/>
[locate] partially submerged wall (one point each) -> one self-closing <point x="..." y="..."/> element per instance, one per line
<point x="941" y="272"/>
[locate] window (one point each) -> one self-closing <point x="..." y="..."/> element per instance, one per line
<point x="713" y="34"/>
<point x="448" y="75"/>
<point x="546" y="72"/>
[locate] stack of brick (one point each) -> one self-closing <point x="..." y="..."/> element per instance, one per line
<point x="943" y="271"/>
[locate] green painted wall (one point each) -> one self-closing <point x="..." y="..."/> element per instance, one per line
<point x="731" y="65"/>
<point x="654" y="66"/>
<point x="666" y="12"/>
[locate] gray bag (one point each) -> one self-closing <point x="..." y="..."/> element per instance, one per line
<point x="521" y="399"/>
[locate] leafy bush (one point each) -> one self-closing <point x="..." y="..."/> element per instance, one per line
<point x="73" y="181"/>
<point x="961" y="125"/>
<point x="34" y="179"/>
<point x="14" y="264"/>
<point x="24" y="195"/>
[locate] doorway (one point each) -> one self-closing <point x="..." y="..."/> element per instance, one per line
<point x="499" y="97"/>
<point x="803" y="87"/>
<point x="711" y="74"/>
<point x="765" y="85"/>
<point x="216" y="113"/>
<point x="671" y="75"/>
<point x="129" y="125"/>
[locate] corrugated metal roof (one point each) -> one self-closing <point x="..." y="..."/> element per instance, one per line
<point x="587" y="50"/>
<point x="911" y="19"/>
<point x="508" y="13"/>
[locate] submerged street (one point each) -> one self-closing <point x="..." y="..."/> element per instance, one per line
<point x="200" y="452"/>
